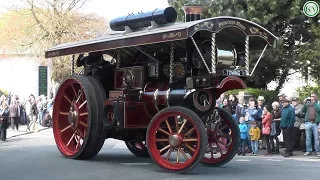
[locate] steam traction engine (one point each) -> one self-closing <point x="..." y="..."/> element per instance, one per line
<point x="153" y="83"/>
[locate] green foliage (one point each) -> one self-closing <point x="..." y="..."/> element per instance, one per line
<point x="306" y="91"/>
<point x="310" y="54"/>
<point x="269" y="96"/>
<point x="282" y="17"/>
<point x="3" y="92"/>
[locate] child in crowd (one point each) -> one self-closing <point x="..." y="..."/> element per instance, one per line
<point x="244" y="136"/>
<point x="255" y="136"/>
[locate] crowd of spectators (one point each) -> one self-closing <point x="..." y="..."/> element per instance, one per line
<point x="297" y="122"/>
<point x="31" y="112"/>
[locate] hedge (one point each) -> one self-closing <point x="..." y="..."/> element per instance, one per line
<point x="3" y="92"/>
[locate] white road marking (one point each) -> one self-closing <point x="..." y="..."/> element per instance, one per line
<point x="135" y="164"/>
<point x="276" y="160"/>
<point x="243" y="160"/>
<point x="307" y="160"/>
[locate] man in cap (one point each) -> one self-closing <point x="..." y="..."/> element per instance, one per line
<point x="287" y="124"/>
<point x="296" y="133"/>
<point x="312" y="119"/>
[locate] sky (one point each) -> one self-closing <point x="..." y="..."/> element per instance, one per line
<point x="107" y="9"/>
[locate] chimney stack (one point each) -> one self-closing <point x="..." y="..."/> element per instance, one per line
<point x="192" y="12"/>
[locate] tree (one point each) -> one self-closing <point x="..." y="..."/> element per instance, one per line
<point x="281" y="17"/>
<point x="306" y="91"/>
<point x="310" y="52"/>
<point x="42" y="24"/>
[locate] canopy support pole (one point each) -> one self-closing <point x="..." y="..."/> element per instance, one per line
<point x="118" y="59"/>
<point x="255" y="66"/>
<point x="213" y="53"/>
<point x="171" y="62"/>
<point x="197" y="48"/>
<point x="247" y="62"/>
<point x="72" y="65"/>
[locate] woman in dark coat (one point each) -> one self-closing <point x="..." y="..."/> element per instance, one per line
<point x="276" y="113"/>
<point x="4" y="120"/>
<point x="233" y="101"/>
<point x="226" y="106"/>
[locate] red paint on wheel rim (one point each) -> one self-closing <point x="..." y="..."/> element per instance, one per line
<point x="70" y="117"/>
<point x="156" y="135"/>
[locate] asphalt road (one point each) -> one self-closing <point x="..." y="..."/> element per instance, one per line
<point x="35" y="157"/>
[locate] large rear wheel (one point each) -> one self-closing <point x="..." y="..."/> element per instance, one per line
<point x="176" y="127"/>
<point x="77" y="115"/>
<point x="101" y="96"/>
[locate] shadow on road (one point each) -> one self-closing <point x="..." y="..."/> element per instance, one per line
<point x="125" y="159"/>
<point x="17" y="139"/>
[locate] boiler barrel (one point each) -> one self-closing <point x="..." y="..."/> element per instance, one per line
<point x="160" y="16"/>
<point x="157" y="96"/>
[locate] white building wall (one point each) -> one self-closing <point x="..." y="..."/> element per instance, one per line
<point x="19" y="75"/>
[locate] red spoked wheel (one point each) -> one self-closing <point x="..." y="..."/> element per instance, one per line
<point x="176" y="127"/>
<point x="223" y="139"/>
<point x="77" y="114"/>
<point x="138" y="148"/>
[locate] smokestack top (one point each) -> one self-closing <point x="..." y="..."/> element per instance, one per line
<point x="192" y="12"/>
<point x="192" y="9"/>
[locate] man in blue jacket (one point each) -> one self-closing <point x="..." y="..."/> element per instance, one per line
<point x="287" y="125"/>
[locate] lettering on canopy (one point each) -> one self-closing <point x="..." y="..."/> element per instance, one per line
<point x="232" y="23"/>
<point x="256" y="31"/>
<point x="249" y="30"/>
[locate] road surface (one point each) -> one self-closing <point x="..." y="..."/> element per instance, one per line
<point x="35" y="157"/>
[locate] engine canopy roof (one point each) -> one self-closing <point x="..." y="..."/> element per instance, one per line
<point x="167" y="33"/>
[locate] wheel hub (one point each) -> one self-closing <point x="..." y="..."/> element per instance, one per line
<point x="174" y="140"/>
<point x="73" y="116"/>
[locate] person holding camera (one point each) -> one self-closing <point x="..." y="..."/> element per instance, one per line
<point x="250" y="115"/>
<point x="311" y="108"/>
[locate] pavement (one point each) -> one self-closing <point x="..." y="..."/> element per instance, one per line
<point x="22" y="131"/>
<point x="35" y="157"/>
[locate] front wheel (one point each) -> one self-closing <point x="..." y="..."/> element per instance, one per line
<point x="172" y="134"/>
<point x="223" y="139"/>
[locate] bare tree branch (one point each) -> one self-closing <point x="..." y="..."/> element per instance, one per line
<point x="36" y="40"/>
<point x="82" y="4"/>
<point x="30" y="2"/>
<point x="73" y="4"/>
<point x="44" y="23"/>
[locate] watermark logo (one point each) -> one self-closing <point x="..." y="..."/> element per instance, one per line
<point x="311" y="9"/>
